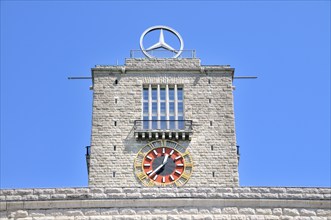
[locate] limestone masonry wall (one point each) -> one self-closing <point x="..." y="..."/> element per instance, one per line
<point x="208" y="102"/>
<point x="165" y="203"/>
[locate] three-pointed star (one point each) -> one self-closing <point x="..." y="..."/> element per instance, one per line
<point x="161" y="44"/>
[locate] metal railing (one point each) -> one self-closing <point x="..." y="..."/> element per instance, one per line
<point x="162" y="125"/>
<point x="163" y="54"/>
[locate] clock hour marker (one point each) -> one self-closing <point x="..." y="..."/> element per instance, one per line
<point x="147" y="165"/>
<point x="172" y="178"/>
<point x="150" y="183"/>
<point x="178" y="172"/>
<point x="180" y="165"/>
<point x="155" y="152"/>
<point x="155" y="177"/>
<point x="189" y="164"/>
<point x="163" y="150"/>
<point x="171" y="152"/>
<point x="185" y="176"/>
<point x="177" y="157"/>
<point x="148" y="157"/>
<point x="163" y="179"/>
<point x="178" y="183"/>
<point x="141" y="175"/>
<point x="149" y="172"/>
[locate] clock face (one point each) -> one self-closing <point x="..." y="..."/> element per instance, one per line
<point x="163" y="163"/>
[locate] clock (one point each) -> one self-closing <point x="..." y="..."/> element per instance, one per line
<point x="163" y="163"/>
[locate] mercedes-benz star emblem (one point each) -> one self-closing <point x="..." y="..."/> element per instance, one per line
<point x="161" y="43"/>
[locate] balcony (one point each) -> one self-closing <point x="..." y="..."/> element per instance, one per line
<point x="163" y="129"/>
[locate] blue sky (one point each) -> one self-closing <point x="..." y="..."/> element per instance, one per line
<point x="282" y="118"/>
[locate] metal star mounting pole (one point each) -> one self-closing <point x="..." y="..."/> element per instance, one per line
<point x="245" y="77"/>
<point x="79" y="77"/>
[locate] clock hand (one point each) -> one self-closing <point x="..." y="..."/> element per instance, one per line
<point x="165" y="159"/>
<point x="157" y="169"/>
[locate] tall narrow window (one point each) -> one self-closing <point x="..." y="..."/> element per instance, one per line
<point x="180" y="106"/>
<point x="163" y="112"/>
<point x="172" y="107"/>
<point x="163" y="107"/>
<point x="145" y="108"/>
<point x="154" y="108"/>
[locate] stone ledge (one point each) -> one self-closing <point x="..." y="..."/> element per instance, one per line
<point x="163" y="203"/>
<point x="164" y="65"/>
<point x="295" y="193"/>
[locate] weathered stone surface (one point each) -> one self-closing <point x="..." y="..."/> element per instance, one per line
<point x="306" y="212"/>
<point x="230" y="210"/>
<point x="263" y="211"/>
<point x="200" y="83"/>
<point x="277" y="211"/>
<point x="291" y="212"/>
<point x="247" y="211"/>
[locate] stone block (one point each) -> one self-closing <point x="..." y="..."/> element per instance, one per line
<point x="101" y="218"/>
<point x="6" y="192"/>
<point x="64" y="191"/>
<point x="323" y="212"/>
<point x="133" y="195"/>
<point x="263" y="211"/>
<point x="307" y="212"/>
<point x="277" y="190"/>
<point x="58" y="196"/>
<point x="127" y="212"/>
<point x="21" y="214"/>
<point x="74" y="213"/>
<point x="202" y="217"/>
<point x="247" y="211"/>
<point x="294" y="190"/>
<point x="291" y="212"/>
<point x="43" y="191"/>
<point x="230" y="210"/>
<point x="277" y="211"/>
<point x="23" y="191"/>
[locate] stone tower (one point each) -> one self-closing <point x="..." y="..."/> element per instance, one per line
<point x="148" y="107"/>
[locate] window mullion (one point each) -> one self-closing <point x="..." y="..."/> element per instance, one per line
<point x="167" y="105"/>
<point x="158" y="105"/>
<point x="150" y="105"/>
<point x="176" y="103"/>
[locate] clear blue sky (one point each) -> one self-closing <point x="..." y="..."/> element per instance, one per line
<point x="282" y="118"/>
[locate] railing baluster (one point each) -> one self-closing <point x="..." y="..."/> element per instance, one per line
<point x="162" y="125"/>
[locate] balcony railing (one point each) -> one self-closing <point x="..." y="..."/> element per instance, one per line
<point x="157" y="129"/>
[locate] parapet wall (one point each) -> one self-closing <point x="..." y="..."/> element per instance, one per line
<point x="165" y="203"/>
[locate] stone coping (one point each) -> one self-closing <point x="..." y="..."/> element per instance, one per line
<point x="163" y="203"/>
<point x="82" y="193"/>
<point x="164" y="65"/>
